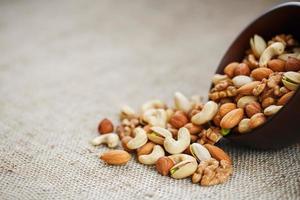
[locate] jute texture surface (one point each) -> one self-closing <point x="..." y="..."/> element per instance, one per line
<point x="64" y="65"/>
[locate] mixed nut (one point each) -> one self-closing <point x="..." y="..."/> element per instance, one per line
<point x="181" y="140"/>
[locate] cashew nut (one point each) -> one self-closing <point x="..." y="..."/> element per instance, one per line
<point x="181" y="102"/>
<point x="258" y="45"/>
<point x="155" y="117"/>
<point x="139" y="140"/>
<point x="111" y="139"/>
<point x="208" y="112"/>
<point x="185" y="165"/>
<point x="200" y="152"/>
<point x="127" y="112"/>
<point x="184" y="138"/>
<point x="151" y="158"/>
<point x="154" y="104"/>
<point x="274" y="49"/>
<point x="158" y="135"/>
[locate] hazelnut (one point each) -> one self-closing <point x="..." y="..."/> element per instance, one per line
<point x="292" y="64"/>
<point x="179" y="119"/>
<point x="242" y="69"/>
<point x="163" y="165"/>
<point x="105" y="126"/>
<point x="230" y="68"/>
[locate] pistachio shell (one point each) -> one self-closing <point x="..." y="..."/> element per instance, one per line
<point x="241" y="80"/>
<point x="293" y="76"/>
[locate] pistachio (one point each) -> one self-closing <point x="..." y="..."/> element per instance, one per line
<point x="158" y="134"/>
<point x="199" y="152"/>
<point x="185" y="166"/>
<point x="291" y="80"/>
<point x="241" y="80"/>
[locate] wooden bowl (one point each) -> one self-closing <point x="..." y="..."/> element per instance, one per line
<point x="282" y="129"/>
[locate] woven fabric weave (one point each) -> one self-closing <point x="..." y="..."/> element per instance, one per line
<point x="64" y="65"/>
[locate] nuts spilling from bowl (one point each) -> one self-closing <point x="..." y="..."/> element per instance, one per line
<point x="181" y="141"/>
<point x="259" y="86"/>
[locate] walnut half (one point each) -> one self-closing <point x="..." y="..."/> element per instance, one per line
<point x="212" y="172"/>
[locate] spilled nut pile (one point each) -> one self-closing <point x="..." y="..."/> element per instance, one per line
<point x="181" y="140"/>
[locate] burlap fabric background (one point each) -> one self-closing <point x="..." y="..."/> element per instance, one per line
<point x="65" y="65"/>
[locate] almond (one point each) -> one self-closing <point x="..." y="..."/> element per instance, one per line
<point x="163" y="165"/>
<point x="248" y="88"/>
<point x="267" y="102"/>
<point x="178" y="119"/>
<point x="232" y="118"/>
<point x="115" y="157"/>
<point x="242" y="69"/>
<point x="257" y="120"/>
<point x="252" y="108"/>
<point x="145" y="149"/>
<point x="277" y="65"/>
<point x="261" y="73"/>
<point x="230" y="68"/>
<point x="217" y="153"/>
<point x="285" y="98"/>
<point x="193" y="129"/>
<point x="226" y="108"/>
<point x="292" y="64"/>
<point x="105" y="126"/>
